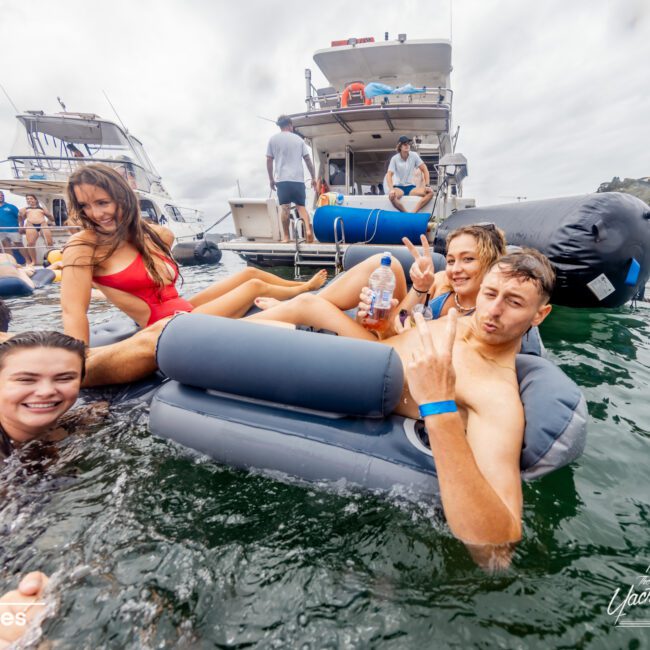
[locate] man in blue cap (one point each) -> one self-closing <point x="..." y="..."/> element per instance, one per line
<point x="400" y="176"/>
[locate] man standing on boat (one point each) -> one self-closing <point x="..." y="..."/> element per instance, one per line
<point x="9" y="232"/>
<point x="286" y="151"/>
<point x="401" y="169"/>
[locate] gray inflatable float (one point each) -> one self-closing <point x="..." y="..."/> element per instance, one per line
<point x="319" y="407"/>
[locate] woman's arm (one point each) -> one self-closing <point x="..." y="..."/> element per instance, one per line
<point x="76" y="286"/>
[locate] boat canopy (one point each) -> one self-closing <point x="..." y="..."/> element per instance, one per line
<point x="50" y="136"/>
<point x="419" y="62"/>
<point x="372" y="127"/>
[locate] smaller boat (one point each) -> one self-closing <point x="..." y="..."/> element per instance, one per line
<point x="49" y="147"/>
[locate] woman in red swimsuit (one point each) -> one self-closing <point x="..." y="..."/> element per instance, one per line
<point x="131" y="262"/>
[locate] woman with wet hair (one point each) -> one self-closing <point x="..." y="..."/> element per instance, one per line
<point x="132" y="263"/>
<point x="35" y="395"/>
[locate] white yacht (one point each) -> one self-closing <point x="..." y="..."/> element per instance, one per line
<point x="353" y="136"/>
<point x="49" y="147"/>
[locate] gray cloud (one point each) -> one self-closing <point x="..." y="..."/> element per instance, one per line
<point x="552" y="97"/>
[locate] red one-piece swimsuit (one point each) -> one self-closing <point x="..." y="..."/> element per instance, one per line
<point x="135" y="279"/>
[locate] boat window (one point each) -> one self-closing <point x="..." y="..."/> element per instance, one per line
<point x="174" y="213"/>
<point x="59" y="211"/>
<point x="148" y="210"/>
<point x="337" y="171"/>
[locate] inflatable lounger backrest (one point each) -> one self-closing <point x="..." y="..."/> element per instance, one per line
<point x="275" y="364"/>
<point x="355" y="254"/>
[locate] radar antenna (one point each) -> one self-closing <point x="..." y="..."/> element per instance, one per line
<point x="116" y="113"/>
<point x="9" y="98"/>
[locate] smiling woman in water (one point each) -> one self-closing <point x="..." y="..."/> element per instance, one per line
<point x="35" y="395"/>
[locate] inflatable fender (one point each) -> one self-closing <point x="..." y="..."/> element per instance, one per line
<point x="193" y="253"/>
<point x="363" y="225"/>
<point x="598" y="243"/>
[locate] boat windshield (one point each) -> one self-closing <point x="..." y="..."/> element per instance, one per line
<point x="51" y="147"/>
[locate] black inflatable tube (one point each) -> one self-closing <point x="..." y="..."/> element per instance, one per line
<point x="193" y="253"/>
<point x="585" y="237"/>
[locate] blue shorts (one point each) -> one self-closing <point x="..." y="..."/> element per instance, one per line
<point x="407" y="189"/>
<point x="291" y="192"/>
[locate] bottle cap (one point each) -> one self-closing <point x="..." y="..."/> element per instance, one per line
<point x="385" y="258"/>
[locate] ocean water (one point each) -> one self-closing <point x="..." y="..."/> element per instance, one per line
<point x="153" y="547"/>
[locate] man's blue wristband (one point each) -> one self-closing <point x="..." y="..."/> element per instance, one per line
<point x="436" y="408"/>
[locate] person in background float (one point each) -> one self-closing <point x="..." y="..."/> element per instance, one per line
<point x="400" y="176"/>
<point x="284" y="155"/>
<point x="34" y="220"/>
<point x="132" y="264"/>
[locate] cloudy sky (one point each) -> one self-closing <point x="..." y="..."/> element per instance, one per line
<point x="552" y="97"/>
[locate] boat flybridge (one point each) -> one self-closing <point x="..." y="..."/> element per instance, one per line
<point x="49" y="147"/>
<point x="353" y="135"/>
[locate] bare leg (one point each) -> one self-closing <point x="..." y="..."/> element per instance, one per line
<point x="237" y="302"/>
<point x="126" y="361"/>
<point x="394" y="197"/>
<point x="31" y="235"/>
<point x="315" y="312"/>
<point x="304" y="215"/>
<point x="284" y="221"/>
<point x="47" y="236"/>
<point x="344" y="291"/>
<point x="228" y="284"/>
<point x="425" y="193"/>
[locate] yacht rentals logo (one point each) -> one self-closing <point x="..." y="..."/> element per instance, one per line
<point x="633" y="603"/>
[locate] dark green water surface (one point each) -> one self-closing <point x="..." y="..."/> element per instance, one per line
<point x="152" y="547"/>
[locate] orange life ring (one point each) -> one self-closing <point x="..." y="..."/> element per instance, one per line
<point x="345" y="97"/>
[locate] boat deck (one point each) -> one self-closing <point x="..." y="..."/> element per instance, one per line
<point x="271" y="253"/>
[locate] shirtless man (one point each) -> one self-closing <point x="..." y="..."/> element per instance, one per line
<point x="35" y="220"/>
<point x="461" y="379"/>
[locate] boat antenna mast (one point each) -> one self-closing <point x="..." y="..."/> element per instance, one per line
<point x="61" y="104"/>
<point x="9" y="98"/>
<point x="115" y="111"/>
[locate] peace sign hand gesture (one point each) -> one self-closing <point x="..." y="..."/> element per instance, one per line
<point x="430" y="373"/>
<point x="421" y="271"/>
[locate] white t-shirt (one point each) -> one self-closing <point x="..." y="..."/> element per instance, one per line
<point x="403" y="169"/>
<point x="287" y="150"/>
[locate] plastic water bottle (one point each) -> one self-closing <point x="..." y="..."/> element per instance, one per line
<point x="339" y="199"/>
<point x="382" y="285"/>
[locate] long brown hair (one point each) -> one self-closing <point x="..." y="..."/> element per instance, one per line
<point x="130" y="226"/>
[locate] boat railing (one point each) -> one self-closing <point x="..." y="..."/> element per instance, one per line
<point x="438" y="96"/>
<point x="183" y="214"/>
<point x="58" y="168"/>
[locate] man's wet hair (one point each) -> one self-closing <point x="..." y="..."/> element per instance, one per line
<point x="529" y="264"/>
<point x="45" y="339"/>
<point x="5" y="316"/>
<point x="283" y="121"/>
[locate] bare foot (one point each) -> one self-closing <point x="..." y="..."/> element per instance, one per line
<point x="285" y="241"/>
<point x="265" y="303"/>
<point x="316" y="281"/>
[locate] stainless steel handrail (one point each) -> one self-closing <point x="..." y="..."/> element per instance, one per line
<point x="443" y="97"/>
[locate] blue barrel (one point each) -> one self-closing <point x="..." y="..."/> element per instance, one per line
<point x="369" y="226"/>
